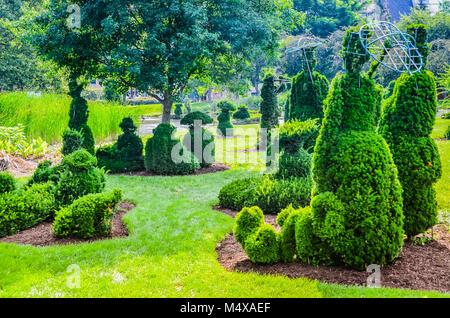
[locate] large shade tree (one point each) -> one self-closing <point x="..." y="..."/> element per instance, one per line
<point x="156" y="46"/>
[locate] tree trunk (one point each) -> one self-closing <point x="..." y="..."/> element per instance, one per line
<point x="167" y="109"/>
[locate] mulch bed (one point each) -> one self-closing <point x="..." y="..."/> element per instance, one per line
<point x="418" y="267"/>
<point x="41" y="234"/>
<point x="216" y="167"/>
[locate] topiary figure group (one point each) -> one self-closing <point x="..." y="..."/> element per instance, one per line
<point x="309" y="90"/>
<point x="407" y="122"/>
<point x="126" y="155"/>
<point x="225" y="128"/>
<point x="166" y="155"/>
<point x="198" y="140"/>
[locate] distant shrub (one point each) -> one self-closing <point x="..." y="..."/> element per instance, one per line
<point x="269" y="194"/>
<point x="166" y="156"/>
<point x="225" y="127"/>
<point x="22" y="210"/>
<point x="263" y="246"/>
<point x="178" y="111"/>
<point x="247" y="222"/>
<point x="126" y="154"/>
<point x="72" y="141"/>
<point x="87" y="217"/>
<point x="242" y="113"/>
<point x="7" y="183"/>
<point x="447" y="133"/>
<point x="446" y="116"/>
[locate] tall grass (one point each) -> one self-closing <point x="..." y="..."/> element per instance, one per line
<point x="47" y="116"/>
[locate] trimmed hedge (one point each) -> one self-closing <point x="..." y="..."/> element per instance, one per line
<point x="87" y="217"/>
<point x="24" y="209"/>
<point x="242" y="113"/>
<point x="160" y="149"/>
<point x="7" y="183"/>
<point x="269" y="194"/>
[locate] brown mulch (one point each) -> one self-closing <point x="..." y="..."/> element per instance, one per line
<point x="216" y="167"/>
<point x="41" y="234"/>
<point x="418" y="267"/>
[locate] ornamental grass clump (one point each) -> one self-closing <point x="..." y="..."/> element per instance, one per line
<point x="407" y="122"/>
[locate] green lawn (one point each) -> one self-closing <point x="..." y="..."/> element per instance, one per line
<point x="170" y="251"/>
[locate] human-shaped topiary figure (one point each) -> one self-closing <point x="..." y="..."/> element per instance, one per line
<point x="78" y="115"/>
<point x="199" y="140"/>
<point x="225" y="127"/>
<point x="269" y="103"/>
<point x="166" y="155"/>
<point x="407" y="122"/>
<point x="309" y="90"/>
<point x="125" y="155"/>
<point x="178" y="111"/>
<point x="356" y="210"/>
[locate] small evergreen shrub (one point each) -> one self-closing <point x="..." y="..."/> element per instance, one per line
<point x="199" y="136"/>
<point x="242" y="113"/>
<point x="288" y="249"/>
<point x="22" y="210"/>
<point x="88" y="216"/>
<point x="7" y="183"/>
<point x="72" y="141"/>
<point x="294" y="165"/>
<point x="247" y="222"/>
<point x="178" y="111"/>
<point x="269" y="194"/>
<point x="284" y="214"/>
<point x="263" y="246"/>
<point x="295" y="135"/>
<point x="126" y="154"/>
<point x="45" y="173"/>
<point x="225" y="127"/>
<point x="166" y="156"/>
<point x="269" y="103"/>
<point x="79" y="178"/>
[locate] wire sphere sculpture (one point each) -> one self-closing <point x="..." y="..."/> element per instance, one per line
<point x="303" y="45"/>
<point x="389" y="46"/>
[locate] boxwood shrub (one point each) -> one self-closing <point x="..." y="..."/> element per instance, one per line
<point x="7" y="183"/>
<point x="263" y="246"/>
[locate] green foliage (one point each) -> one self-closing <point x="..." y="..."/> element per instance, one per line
<point x="72" y="141"/>
<point x="22" y="210"/>
<point x="247" y="222"/>
<point x="288" y="247"/>
<point x="126" y="154"/>
<point x="284" y="214"/>
<point x="242" y="113"/>
<point x="354" y="170"/>
<point x="161" y="150"/>
<point x="419" y="34"/>
<point x="407" y="122"/>
<point x="309" y="90"/>
<point x="447" y="133"/>
<point x="269" y="103"/>
<point x="7" y="183"/>
<point x="178" y="111"/>
<point x="270" y="194"/>
<point x="204" y="154"/>
<point x="14" y="141"/>
<point x="197" y="116"/>
<point x="225" y="127"/>
<point x="263" y="247"/>
<point x="294" y="165"/>
<point x="353" y="52"/>
<point x="88" y="216"/>
<point x="45" y="173"/>
<point x="295" y="135"/>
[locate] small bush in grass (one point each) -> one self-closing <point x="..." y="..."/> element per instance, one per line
<point x="126" y="154"/>
<point x="72" y="141"/>
<point x="225" y="127"/>
<point x="161" y="151"/>
<point x="263" y="246"/>
<point x="87" y="217"/>
<point x="242" y="113"/>
<point x="7" y="183"/>
<point x="199" y="136"/>
<point x="247" y="222"/>
<point x="22" y="210"/>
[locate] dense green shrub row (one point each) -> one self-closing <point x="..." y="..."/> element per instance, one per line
<point x="126" y="155"/>
<point x="26" y="208"/>
<point x="87" y="217"/>
<point x="268" y="193"/>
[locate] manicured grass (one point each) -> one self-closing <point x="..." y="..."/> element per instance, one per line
<point x="47" y="116"/>
<point x="443" y="185"/>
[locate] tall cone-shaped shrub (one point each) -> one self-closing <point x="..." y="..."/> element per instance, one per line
<point x="356" y="214"/>
<point x="78" y="115"/>
<point x="309" y="89"/>
<point x="407" y="122"/>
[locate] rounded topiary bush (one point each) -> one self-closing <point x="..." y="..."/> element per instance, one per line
<point x="407" y="122"/>
<point x="72" y="141"/>
<point x="225" y="127"/>
<point x="198" y="140"/>
<point x="167" y="156"/>
<point x="7" y="183"/>
<point x="263" y="246"/>
<point x="288" y="247"/>
<point x="247" y="222"/>
<point x="242" y="113"/>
